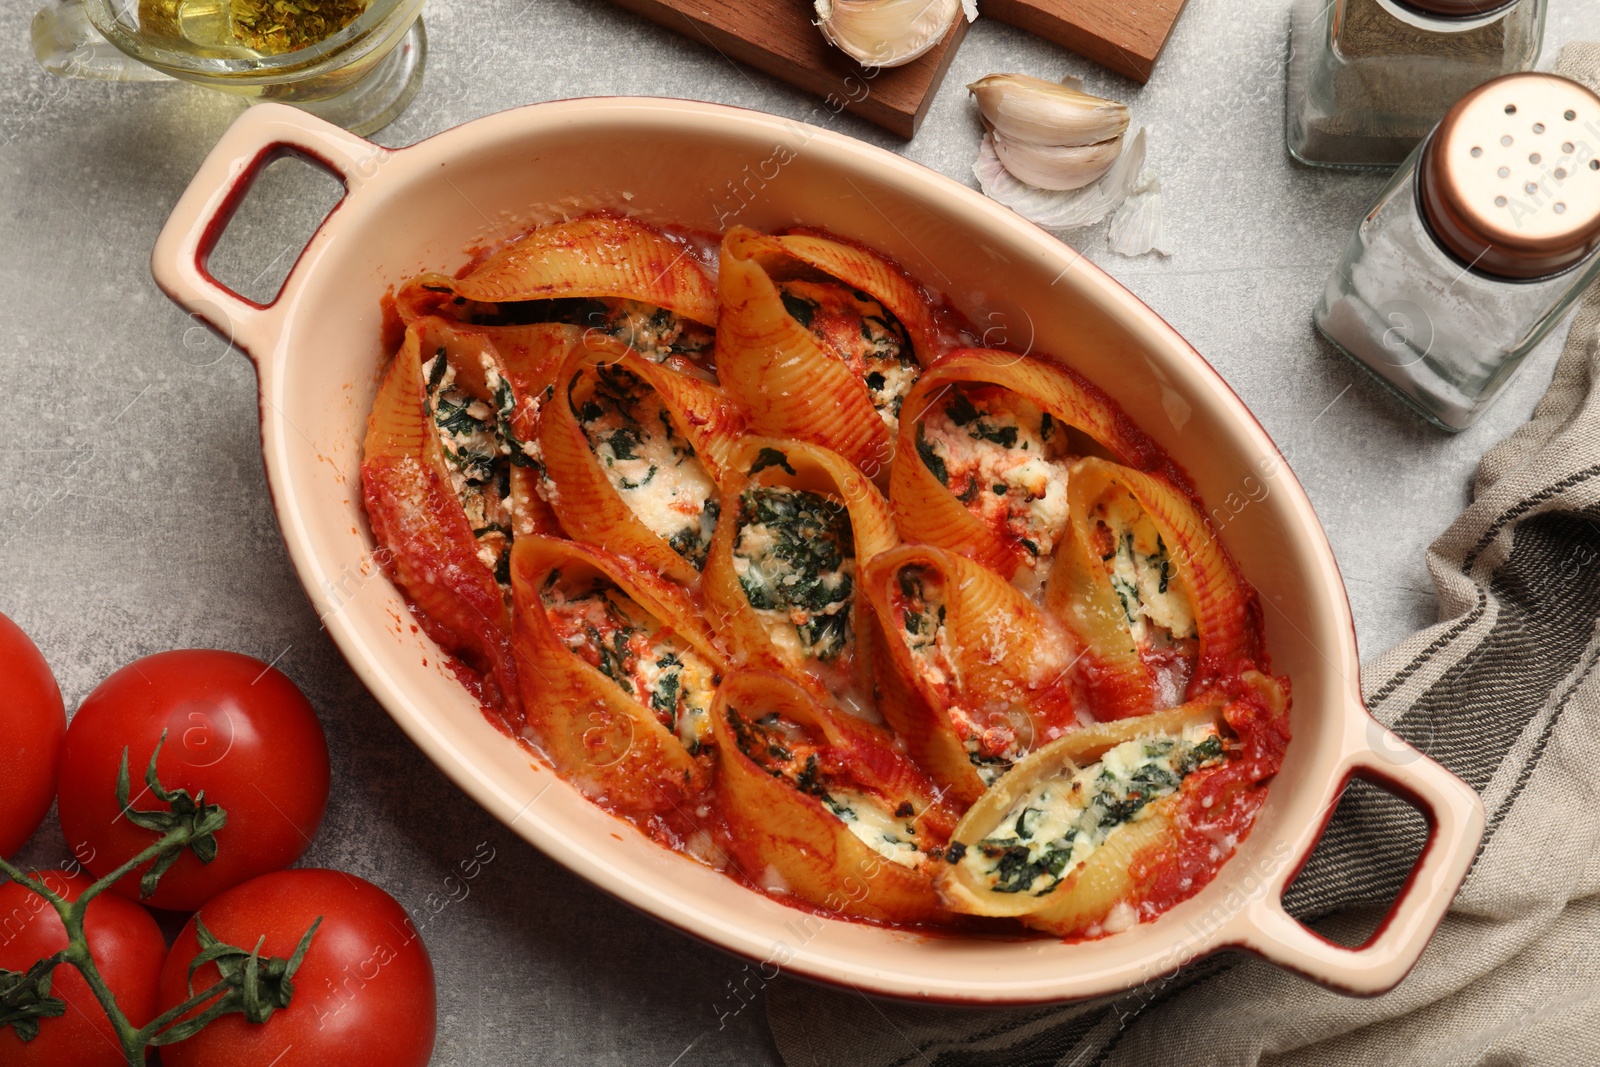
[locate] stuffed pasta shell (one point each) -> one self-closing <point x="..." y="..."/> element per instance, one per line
<point x="618" y="277"/>
<point x="821" y="340"/>
<point x="994" y="435"/>
<point x="1116" y="822"/>
<point x="974" y="676"/>
<point x="618" y="678"/>
<point x="1142" y="581"/>
<point x="798" y="522"/>
<point x="820" y="805"/>
<point x="436" y="485"/>
<point x="631" y="454"/>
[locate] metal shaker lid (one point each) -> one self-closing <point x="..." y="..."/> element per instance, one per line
<point x="1510" y="178"/>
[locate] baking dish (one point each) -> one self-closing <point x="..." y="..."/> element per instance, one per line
<point x="317" y="350"/>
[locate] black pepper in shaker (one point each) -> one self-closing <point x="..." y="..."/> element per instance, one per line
<point x="1369" y="78"/>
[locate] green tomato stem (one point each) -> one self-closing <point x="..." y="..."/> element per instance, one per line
<point x="172" y="1015"/>
<point x="132" y="1039"/>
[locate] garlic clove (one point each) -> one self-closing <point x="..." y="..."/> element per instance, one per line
<point x="1056" y="167"/>
<point x="886" y="33"/>
<point x="1066" y="210"/>
<point x="1023" y="108"/>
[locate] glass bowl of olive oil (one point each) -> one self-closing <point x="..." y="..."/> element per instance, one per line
<point x="357" y="63"/>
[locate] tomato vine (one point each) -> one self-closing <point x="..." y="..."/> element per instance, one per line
<point x="250" y="984"/>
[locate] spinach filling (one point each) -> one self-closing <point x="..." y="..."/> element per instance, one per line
<point x="923" y="607"/>
<point x="479" y="449"/>
<point x="651" y="331"/>
<point x="857" y="328"/>
<point x="785" y="751"/>
<point x="653" y="467"/>
<point x="796" y="555"/>
<point x="1053" y="829"/>
<point x="608" y="630"/>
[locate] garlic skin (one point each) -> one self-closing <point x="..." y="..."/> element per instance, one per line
<point x="887" y="33"/>
<point x="1056" y="167"/>
<point x="1051" y="136"/>
<point x="1025" y="108"/>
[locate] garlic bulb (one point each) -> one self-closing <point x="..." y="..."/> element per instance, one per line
<point x="888" y="33"/>
<point x="1052" y="136"/>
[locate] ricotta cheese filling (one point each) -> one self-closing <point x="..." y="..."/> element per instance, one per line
<point x="858" y="329"/>
<point x="612" y="632"/>
<point x="795" y="559"/>
<point x="650" y="464"/>
<point x="1154" y="600"/>
<point x="994" y="737"/>
<point x="473" y="433"/>
<point x="651" y="331"/>
<point x="1055" y="827"/>
<point x="785" y="750"/>
<point x="1006" y="459"/>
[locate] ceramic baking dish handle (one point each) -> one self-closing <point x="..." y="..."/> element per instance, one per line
<point x="1455" y="818"/>
<point x="259" y="136"/>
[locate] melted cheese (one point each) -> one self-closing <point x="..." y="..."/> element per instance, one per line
<point x="794" y="558"/>
<point x="1055" y="827"/>
<point x="1147" y="583"/>
<point x="654" y="331"/>
<point x="653" y="468"/>
<point x="876" y="826"/>
<point x="1006" y="460"/>
<point x="610" y="631"/>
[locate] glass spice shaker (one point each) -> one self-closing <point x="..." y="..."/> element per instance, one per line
<point x="1478" y="246"/>
<point x="1369" y="78"/>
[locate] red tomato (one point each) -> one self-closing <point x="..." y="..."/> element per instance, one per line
<point x="363" y="996"/>
<point x="236" y="728"/>
<point x="127" y="947"/>
<point x="32" y="722"/>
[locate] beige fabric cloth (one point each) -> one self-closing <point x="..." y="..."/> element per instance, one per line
<point x="1504" y="691"/>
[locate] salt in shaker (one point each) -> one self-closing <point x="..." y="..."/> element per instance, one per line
<point x="1478" y="246"/>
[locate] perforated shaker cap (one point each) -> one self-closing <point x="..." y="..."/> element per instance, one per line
<point x="1510" y="179"/>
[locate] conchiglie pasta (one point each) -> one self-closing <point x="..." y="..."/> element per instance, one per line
<point x="1051" y="842"/>
<point x="819" y="805"/>
<point x="631" y="456"/>
<point x="974" y="676"/>
<point x="414" y="494"/>
<point x="809" y="341"/>
<point x="988" y="438"/>
<point x="797" y="522"/>
<point x="1142" y="581"/>
<point x="619" y="673"/>
<point x="617" y="276"/>
<point x="768" y="564"/>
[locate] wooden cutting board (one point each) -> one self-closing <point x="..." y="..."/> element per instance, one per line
<point x="1125" y="35"/>
<point x="777" y="36"/>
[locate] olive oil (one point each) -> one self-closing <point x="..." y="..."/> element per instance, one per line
<point x="245" y="29"/>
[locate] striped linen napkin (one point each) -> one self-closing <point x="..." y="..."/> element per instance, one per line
<point x="1505" y="693"/>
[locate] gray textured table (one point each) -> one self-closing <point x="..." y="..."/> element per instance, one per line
<point x="134" y="517"/>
